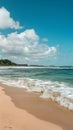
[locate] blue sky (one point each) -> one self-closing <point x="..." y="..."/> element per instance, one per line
<point x="51" y="23"/>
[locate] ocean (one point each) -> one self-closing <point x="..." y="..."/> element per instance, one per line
<point x="52" y="83"/>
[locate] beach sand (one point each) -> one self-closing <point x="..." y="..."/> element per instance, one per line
<point x="21" y="110"/>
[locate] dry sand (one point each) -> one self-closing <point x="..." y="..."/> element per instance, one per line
<point x="20" y="110"/>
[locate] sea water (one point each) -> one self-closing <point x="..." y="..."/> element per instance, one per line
<point x="52" y="83"/>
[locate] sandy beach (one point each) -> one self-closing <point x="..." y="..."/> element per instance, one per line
<point x="20" y="110"/>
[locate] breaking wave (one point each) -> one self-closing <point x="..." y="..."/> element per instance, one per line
<point x="60" y="92"/>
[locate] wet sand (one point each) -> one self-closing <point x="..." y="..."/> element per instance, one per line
<point x="21" y="110"/>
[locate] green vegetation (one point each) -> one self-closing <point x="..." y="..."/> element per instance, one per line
<point x="5" y="62"/>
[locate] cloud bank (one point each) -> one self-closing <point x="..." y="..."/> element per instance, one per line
<point x="6" y="21"/>
<point x="25" y="45"/>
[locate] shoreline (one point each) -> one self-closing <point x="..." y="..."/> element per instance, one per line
<point x="59" y="92"/>
<point x="43" y="110"/>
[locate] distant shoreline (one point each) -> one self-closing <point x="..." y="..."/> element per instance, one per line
<point x="8" y="63"/>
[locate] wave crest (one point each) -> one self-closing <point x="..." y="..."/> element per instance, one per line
<point x="59" y="92"/>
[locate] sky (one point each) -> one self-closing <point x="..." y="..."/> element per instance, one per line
<point x="37" y="31"/>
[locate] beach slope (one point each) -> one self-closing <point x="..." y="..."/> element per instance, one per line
<point x="20" y="110"/>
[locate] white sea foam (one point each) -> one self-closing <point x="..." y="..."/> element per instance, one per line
<point x="59" y="92"/>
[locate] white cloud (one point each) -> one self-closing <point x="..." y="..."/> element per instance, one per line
<point x="6" y="21"/>
<point x="25" y="46"/>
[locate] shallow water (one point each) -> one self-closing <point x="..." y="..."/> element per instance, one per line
<point x="56" y="84"/>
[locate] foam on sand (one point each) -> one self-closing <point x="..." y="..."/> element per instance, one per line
<point x="59" y="92"/>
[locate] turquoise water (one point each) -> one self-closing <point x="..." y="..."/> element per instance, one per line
<point x="63" y="75"/>
<point x="54" y="83"/>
